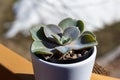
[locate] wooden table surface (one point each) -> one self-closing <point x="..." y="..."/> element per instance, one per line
<point x="15" y="67"/>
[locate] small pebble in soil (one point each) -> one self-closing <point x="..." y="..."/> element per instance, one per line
<point x="74" y="56"/>
<point x="79" y="55"/>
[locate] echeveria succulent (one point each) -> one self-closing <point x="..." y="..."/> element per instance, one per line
<point x="68" y="35"/>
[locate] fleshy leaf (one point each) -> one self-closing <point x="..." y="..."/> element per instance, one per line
<point x="83" y="42"/>
<point x="80" y="25"/>
<point x="90" y="33"/>
<point x="41" y="47"/>
<point x="63" y="49"/>
<point x="72" y="33"/>
<point x="52" y="30"/>
<point x="38" y="33"/>
<point x="57" y="40"/>
<point x="85" y="39"/>
<point x="65" y="40"/>
<point x="68" y="22"/>
<point x="34" y="32"/>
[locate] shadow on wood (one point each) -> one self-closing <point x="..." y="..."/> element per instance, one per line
<point x="5" y="74"/>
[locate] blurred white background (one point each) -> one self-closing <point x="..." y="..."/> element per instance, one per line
<point x="94" y="13"/>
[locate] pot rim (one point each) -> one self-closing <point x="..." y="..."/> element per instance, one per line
<point x="93" y="55"/>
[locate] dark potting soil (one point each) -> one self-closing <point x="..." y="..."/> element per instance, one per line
<point x="72" y="57"/>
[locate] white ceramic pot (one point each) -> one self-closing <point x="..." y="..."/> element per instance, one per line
<point x="82" y="70"/>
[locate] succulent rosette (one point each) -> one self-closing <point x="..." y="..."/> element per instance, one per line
<point x="68" y="35"/>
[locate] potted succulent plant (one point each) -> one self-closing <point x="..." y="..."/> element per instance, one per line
<point x="63" y="52"/>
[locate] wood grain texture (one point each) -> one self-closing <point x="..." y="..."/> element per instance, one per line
<point x="100" y="70"/>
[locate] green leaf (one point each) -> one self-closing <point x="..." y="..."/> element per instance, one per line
<point x="68" y="22"/>
<point x="90" y="33"/>
<point x="65" y="40"/>
<point x="63" y="49"/>
<point x="52" y="32"/>
<point x="38" y="33"/>
<point x="57" y="40"/>
<point x="34" y="31"/>
<point x="84" y="41"/>
<point x="72" y="33"/>
<point x="87" y="39"/>
<point x="80" y="25"/>
<point x="39" y="47"/>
